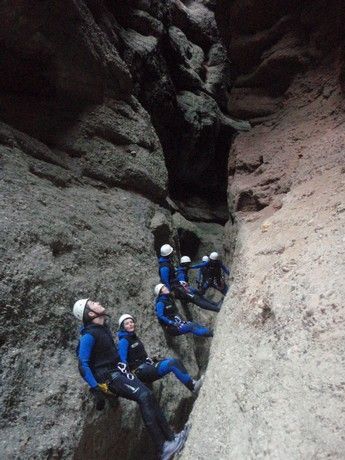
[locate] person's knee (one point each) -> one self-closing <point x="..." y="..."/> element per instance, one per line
<point x="145" y="395"/>
<point x="177" y="364"/>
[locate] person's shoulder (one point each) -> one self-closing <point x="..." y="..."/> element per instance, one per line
<point x="95" y="330"/>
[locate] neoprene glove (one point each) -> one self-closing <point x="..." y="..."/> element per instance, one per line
<point x="104" y="388"/>
<point x="98" y="397"/>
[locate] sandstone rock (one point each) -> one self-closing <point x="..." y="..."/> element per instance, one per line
<point x="60" y="243"/>
<point x="251" y="103"/>
<point x="42" y="39"/>
<point x="275" y="356"/>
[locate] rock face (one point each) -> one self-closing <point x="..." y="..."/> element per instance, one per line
<point x="180" y="71"/>
<point x="276" y="373"/>
<point x="105" y="108"/>
<point x="83" y="188"/>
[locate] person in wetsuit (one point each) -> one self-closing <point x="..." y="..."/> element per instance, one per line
<point x="133" y="353"/>
<point x="193" y="294"/>
<point x="101" y="368"/>
<point x="200" y="280"/>
<point x="213" y="275"/>
<point x="169" y="317"/>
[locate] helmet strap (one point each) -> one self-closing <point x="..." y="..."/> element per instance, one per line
<point x="97" y="315"/>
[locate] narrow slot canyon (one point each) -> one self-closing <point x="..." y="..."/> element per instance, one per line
<point x="206" y="124"/>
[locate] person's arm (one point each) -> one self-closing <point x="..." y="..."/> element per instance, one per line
<point x="123" y="350"/>
<point x="225" y="269"/>
<point x="86" y="345"/>
<point x="161" y="316"/>
<point x="164" y="272"/>
<point x="202" y="264"/>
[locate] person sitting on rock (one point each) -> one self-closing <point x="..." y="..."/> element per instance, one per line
<point x="133" y="353"/>
<point x="192" y="293"/>
<point x="169" y="317"/>
<point x="213" y="276"/>
<point x="101" y="368"/>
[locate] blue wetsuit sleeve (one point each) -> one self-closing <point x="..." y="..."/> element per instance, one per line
<point x="123" y="350"/>
<point x="86" y="344"/>
<point x="164" y="272"/>
<point x="225" y="269"/>
<point x="194" y="267"/>
<point x="181" y="275"/>
<point x="161" y="316"/>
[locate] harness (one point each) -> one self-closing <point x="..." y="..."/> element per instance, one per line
<point x="170" y="308"/>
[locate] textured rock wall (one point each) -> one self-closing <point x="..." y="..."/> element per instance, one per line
<point x="275" y="379"/>
<point x="83" y="187"/>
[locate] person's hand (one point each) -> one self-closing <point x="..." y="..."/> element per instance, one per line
<point x="98" y="396"/>
<point x="103" y="387"/>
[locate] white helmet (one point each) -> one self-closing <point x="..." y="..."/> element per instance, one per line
<point x="214" y="256"/>
<point x="185" y="260"/>
<point x="205" y="259"/>
<point x="158" y="288"/>
<point x="124" y="317"/>
<point x="166" y="250"/>
<point x="79" y="308"/>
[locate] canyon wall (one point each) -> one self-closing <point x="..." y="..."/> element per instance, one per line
<point x="88" y="92"/>
<point x="128" y="124"/>
<point x="275" y="381"/>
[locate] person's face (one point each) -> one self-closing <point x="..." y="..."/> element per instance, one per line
<point x="96" y="309"/>
<point x="165" y="290"/>
<point x="129" y="325"/>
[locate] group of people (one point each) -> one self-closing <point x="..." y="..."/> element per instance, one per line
<point x="127" y="370"/>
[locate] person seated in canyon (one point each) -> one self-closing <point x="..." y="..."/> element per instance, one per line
<point x="101" y="368"/>
<point x="168" y="276"/>
<point x="169" y="317"/>
<point x="193" y="294"/>
<point x="213" y="275"/>
<point x="132" y="352"/>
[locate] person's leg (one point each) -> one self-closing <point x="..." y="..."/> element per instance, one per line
<point x="153" y="419"/>
<point x="204" y="303"/>
<point x="147" y="373"/>
<point x="176" y="366"/>
<point x="204" y="286"/>
<point x="224" y="289"/>
<point x="195" y="329"/>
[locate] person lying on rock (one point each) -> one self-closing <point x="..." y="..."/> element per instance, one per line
<point x="169" y="317"/>
<point x="168" y="277"/>
<point x="193" y="294"/>
<point x="213" y="274"/>
<point x="133" y="353"/>
<point x="101" y="368"/>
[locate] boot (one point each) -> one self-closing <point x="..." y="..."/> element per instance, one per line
<point x="198" y="385"/>
<point x="170" y="448"/>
